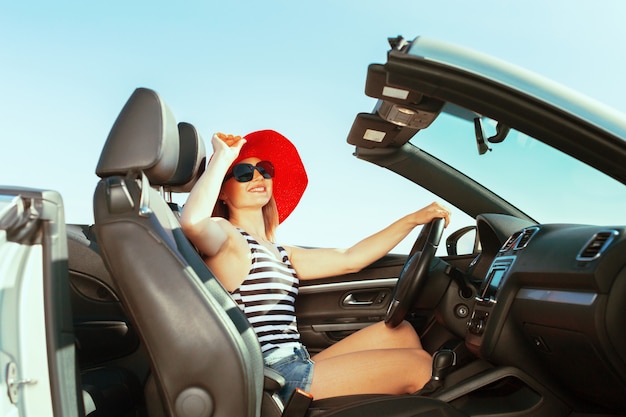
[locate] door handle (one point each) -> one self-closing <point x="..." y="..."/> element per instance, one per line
<point x="366" y="298"/>
<point x="351" y="300"/>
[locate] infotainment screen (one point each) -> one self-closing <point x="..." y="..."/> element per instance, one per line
<point x="494" y="278"/>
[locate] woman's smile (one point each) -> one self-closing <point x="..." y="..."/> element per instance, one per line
<point x="258" y="189"/>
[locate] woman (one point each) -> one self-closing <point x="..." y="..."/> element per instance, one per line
<point x="252" y="184"/>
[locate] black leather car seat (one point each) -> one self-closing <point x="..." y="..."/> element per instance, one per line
<point x="204" y="356"/>
<point x="201" y="350"/>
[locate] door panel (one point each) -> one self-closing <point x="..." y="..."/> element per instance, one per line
<point x="330" y="309"/>
<point x="104" y="336"/>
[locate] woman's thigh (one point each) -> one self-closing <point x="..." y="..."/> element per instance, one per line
<point x="375" y="337"/>
<point x="387" y="371"/>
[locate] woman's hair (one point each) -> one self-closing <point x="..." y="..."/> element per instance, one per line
<point x="270" y="216"/>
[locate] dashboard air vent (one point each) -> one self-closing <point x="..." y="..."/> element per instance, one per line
<point x="525" y="238"/>
<point x="510" y="242"/>
<point x="596" y="245"/>
<point x="519" y="240"/>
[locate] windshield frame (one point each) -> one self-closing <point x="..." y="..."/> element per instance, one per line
<point x="427" y="79"/>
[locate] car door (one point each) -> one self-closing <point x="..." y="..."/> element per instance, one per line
<point x="37" y="353"/>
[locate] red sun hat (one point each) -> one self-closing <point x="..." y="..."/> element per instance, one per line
<point x="290" y="179"/>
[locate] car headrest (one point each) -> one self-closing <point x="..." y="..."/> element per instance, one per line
<point x="191" y="159"/>
<point x="144" y="138"/>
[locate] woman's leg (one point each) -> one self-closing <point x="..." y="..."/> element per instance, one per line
<point x="374" y="337"/>
<point x="384" y="371"/>
<point x="374" y="360"/>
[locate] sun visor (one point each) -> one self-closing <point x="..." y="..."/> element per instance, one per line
<point x="398" y="115"/>
<point x="372" y="131"/>
<point x="377" y="86"/>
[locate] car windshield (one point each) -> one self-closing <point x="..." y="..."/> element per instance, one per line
<point x="546" y="184"/>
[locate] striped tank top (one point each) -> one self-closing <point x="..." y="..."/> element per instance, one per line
<point x="267" y="296"/>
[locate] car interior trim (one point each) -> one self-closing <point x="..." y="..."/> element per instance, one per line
<point x="349" y="285"/>
<point x="563" y="297"/>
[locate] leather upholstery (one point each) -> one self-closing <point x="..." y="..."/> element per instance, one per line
<point x="191" y="159"/>
<point x="202" y="352"/>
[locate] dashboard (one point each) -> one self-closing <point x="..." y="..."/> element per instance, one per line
<point x="552" y="303"/>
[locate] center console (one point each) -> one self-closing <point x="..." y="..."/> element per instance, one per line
<point x="486" y="298"/>
<point x="482" y="325"/>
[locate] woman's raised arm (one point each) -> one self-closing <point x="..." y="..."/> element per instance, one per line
<point x="206" y="233"/>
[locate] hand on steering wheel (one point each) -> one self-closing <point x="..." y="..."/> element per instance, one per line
<point x="414" y="272"/>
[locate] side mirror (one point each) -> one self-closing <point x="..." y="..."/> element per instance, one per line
<point x="463" y="242"/>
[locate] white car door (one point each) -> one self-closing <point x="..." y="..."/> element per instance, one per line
<point x="37" y="354"/>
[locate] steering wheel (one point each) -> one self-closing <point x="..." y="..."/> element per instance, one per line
<point x="414" y="272"/>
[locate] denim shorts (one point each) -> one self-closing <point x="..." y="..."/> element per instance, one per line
<point x="294" y="364"/>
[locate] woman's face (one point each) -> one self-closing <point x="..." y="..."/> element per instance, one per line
<point x="252" y="194"/>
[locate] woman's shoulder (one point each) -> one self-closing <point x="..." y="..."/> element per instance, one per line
<point x="234" y="238"/>
<point x="225" y="224"/>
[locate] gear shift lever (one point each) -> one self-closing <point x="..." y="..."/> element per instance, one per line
<point x="443" y="361"/>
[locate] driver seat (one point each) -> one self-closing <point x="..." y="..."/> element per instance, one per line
<point x="204" y="357"/>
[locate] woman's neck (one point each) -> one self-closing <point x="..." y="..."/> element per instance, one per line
<point x="253" y="225"/>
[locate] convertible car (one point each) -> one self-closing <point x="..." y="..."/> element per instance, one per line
<point x="523" y="309"/>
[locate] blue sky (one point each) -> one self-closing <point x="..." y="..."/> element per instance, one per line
<point x="67" y="68"/>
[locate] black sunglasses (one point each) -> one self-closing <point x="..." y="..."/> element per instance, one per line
<point x="245" y="172"/>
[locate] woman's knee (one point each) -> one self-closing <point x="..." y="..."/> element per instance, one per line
<point x="423" y="357"/>
<point x="423" y="369"/>
<point x="407" y="333"/>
